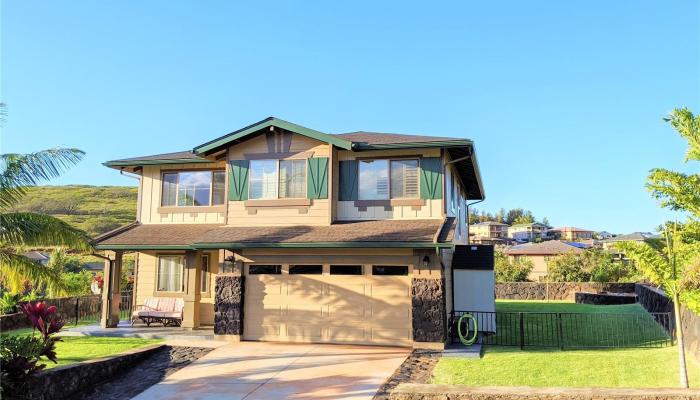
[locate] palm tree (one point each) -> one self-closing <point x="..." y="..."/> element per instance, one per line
<point x="20" y="230"/>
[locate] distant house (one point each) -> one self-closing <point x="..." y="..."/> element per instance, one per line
<point x="602" y="235"/>
<point x="489" y="232"/>
<point x="572" y="233"/>
<point x="527" y="232"/>
<point x="38" y="257"/>
<point x="540" y="253"/>
<point x="609" y="244"/>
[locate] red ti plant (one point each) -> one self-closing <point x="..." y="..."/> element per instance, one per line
<point x="46" y="321"/>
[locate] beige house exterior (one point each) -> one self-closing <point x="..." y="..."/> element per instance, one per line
<point x="279" y="232"/>
<point x="572" y="233"/>
<point x="527" y="232"/>
<point x="539" y="254"/>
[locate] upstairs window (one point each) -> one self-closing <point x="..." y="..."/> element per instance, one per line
<point x="273" y="179"/>
<point x="385" y="179"/>
<point x="193" y="188"/>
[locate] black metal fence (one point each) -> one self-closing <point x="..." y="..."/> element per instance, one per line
<point x="89" y="308"/>
<point x="568" y="330"/>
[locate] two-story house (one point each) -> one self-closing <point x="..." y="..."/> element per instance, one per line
<point x="489" y="232"/>
<point x="527" y="232"/>
<point x="283" y="233"/>
<point x="572" y="233"/>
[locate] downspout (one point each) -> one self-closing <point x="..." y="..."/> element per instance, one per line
<point x="470" y="204"/>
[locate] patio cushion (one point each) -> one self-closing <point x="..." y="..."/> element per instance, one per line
<point x="161" y="307"/>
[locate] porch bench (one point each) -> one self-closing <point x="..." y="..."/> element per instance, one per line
<point x="166" y="310"/>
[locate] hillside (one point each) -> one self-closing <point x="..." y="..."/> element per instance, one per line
<point x="94" y="209"/>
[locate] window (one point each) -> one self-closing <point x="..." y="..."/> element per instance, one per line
<point x="305" y="269"/>
<point x="205" y="274"/>
<point x="170" y="271"/>
<point x="404" y="179"/>
<point x="346" y="269"/>
<point x="193" y="188"/>
<point x="265" y="269"/>
<point x="272" y="179"/>
<point x="384" y="179"/>
<point x="390" y="270"/>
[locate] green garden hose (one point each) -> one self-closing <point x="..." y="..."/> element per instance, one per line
<point x="471" y="340"/>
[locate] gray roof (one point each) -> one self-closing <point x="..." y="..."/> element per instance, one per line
<point x="551" y="247"/>
<point x="485" y="223"/>
<point x="634" y="236"/>
<point x="389" y="138"/>
<point x="176" y="157"/>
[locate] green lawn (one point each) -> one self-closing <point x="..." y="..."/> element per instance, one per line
<point x="510" y="366"/>
<point x="573" y="326"/>
<point x="507" y="366"/>
<point x="73" y="349"/>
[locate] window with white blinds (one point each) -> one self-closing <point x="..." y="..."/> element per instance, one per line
<point x="404" y="179"/>
<point x="385" y="179"/>
<point x="263" y="179"/>
<point x="292" y="179"/>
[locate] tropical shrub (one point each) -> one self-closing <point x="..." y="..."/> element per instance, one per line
<point x="592" y="265"/>
<point x="9" y="303"/>
<point x="20" y="355"/>
<point x="516" y="270"/>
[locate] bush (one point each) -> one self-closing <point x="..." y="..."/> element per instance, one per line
<point x="9" y="303"/>
<point x="511" y="271"/>
<point x="20" y="355"/>
<point x="77" y="283"/>
<point x="593" y="265"/>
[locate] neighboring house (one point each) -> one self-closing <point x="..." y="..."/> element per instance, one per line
<point x="603" y="235"/>
<point x="279" y="232"/>
<point x="38" y="257"/>
<point x="527" y="232"/>
<point x="609" y="244"/>
<point x="540" y="253"/>
<point x="489" y="232"/>
<point x="571" y="233"/>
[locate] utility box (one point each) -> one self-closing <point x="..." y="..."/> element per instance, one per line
<point x="474" y="284"/>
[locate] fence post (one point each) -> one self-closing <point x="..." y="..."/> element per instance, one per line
<point x="522" y="331"/>
<point x="672" y="320"/>
<point x="77" y="308"/>
<point x="561" y="332"/>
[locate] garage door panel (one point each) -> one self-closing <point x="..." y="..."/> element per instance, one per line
<point x="328" y="308"/>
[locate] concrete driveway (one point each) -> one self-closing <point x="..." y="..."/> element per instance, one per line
<point x="256" y="370"/>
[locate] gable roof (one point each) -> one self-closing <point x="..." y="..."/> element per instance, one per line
<point x="570" y="229"/>
<point x="489" y="223"/>
<point x="243" y="133"/>
<point x="428" y="233"/>
<point x="634" y="236"/>
<point x="552" y="247"/>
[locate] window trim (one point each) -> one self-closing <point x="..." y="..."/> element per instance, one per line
<point x="167" y="208"/>
<point x="205" y="276"/>
<point x="389" y="160"/>
<point x="182" y="265"/>
<point x="277" y="166"/>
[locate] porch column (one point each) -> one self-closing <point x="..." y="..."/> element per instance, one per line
<point x="111" y="294"/>
<point x="193" y="271"/>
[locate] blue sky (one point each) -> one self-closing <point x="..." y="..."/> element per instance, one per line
<point x="563" y="99"/>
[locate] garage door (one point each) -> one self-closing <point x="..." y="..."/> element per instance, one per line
<point x="328" y="304"/>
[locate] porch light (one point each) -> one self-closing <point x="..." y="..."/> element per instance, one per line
<point x="426" y="262"/>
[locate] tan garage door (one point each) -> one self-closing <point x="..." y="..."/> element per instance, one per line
<point x="326" y="304"/>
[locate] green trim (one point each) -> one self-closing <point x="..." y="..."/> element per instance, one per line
<point x="349" y="185"/>
<point x="137" y="163"/>
<point x="431" y="178"/>
<point x="238" y="180"/>
<point x="231" y="245"/>
<point x="450" y="143"/>
<point x="477" y="172"/>
<point x="144" y="247"/>
<point x="271" y="121"/>
<point x="317" y="178"/>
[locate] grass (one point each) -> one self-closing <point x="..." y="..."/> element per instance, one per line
<point x="533" y="366"/>
<point x="573" y="326"/>
<point x="74" y="349"/>
<point x="504" y="366"/>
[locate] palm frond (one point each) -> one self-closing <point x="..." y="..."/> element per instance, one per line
<point x="37" y="230"/>
<point x="16" y="269"/>
<point x="688" y="125"/>
<point x="21" y="170"/>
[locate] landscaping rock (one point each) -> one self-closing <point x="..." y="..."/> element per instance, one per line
<point x="417" y="368"/>
<point x="556" y="290"/>
<point x="428" y="302"/>
<point x="605" y="299"/>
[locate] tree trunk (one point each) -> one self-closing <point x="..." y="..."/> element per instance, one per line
<point x="681" y="348"/>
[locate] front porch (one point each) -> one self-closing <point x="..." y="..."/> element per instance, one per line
<point x="124" y="329"/>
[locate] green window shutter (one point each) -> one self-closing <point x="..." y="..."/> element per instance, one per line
<point x="431" y="178"/>
<point x="348" y="185"/>
<point x="238" y="180"/>
<point x="317" y="178"/>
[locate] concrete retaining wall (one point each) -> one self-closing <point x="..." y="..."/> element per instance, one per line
<point x="556" y="290"/>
